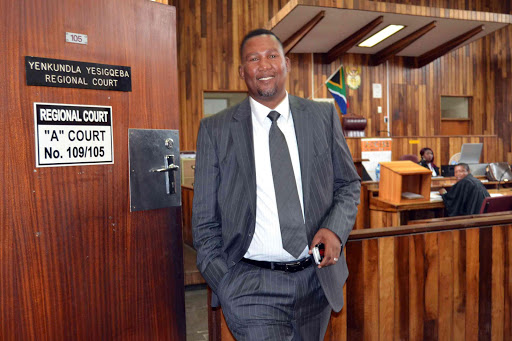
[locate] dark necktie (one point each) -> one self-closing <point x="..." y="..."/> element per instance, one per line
<point x="293" y="231"/>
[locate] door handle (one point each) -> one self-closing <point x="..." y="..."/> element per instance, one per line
<point x="169" y="168"/>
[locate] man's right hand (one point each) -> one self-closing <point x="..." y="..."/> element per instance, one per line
<point x="332" y="245"/>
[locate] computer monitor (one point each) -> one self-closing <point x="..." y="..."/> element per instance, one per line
<point x="478" y="169"/>
<point x="447" y="170"/>
<point x="470" y="153"/>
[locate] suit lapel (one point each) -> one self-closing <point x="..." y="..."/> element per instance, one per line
<point x="241" y="130"/>
<point x="303" y="131"/>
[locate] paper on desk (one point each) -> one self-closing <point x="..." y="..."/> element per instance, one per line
<point x="410" y="195"/>
<point x="435" y="196"/>
<point x="496" y="194"/>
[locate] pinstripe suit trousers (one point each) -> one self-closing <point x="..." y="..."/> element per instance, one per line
<point x="263" y="304"/>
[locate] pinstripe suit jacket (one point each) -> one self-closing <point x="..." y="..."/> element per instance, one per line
<point x="224" y="207"/>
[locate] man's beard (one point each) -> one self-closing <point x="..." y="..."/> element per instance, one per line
<point x="267" y="93"/>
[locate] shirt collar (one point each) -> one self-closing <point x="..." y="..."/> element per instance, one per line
<point x="260" y="111"/>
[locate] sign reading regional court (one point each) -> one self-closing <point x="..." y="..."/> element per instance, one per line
<point x="71" y="135"/>
<point x="72" y="74"/>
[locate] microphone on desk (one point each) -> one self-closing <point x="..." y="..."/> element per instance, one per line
<point x="501" y="177"/>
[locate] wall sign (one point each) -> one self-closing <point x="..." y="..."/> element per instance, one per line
<point x="72" y="74"/>
<point x="76" y="38"/>
<point x="376" y="150"/>
<point x="377" y="90"/>
<point x="72" y="135"/>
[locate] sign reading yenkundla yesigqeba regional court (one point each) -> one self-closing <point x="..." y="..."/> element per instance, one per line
<point x="72" y="135"/>
<point x="72" y="74"/>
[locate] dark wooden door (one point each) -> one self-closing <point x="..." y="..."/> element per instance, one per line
<point x="75" y="264"/>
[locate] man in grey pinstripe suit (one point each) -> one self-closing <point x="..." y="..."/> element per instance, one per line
<point x="265" y="292"/>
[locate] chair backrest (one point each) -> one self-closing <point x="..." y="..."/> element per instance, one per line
<point x="410" y="157"/>
<point x="496" y="204"/>
<point x="354" y="126"/>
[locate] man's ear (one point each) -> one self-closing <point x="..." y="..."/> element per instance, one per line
<point x="288" y="64"/>
<point x="241" y="72"/>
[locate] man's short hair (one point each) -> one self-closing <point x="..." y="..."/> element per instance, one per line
<point x="255" y="33"/>
<point x="465" y="165"/>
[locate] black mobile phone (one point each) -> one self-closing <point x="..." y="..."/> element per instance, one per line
<point x="318" y="253"/>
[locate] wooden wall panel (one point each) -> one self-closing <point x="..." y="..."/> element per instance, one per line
<point x="415" y="93"/>
<point x="448" y="285"/>
<point x="442" y="146"/>
<point x="208" y="45"/>
<point x="497" y="6"/>
<point x="210" y="32"/>
<point x="360" y="101"/>
<point x="501" y="63"/>
<point x="455" y="127"/>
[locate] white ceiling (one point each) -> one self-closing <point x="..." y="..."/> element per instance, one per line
<point x="338" y="24"/>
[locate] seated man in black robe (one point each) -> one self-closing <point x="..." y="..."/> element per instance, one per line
<point x="466" y="196"/>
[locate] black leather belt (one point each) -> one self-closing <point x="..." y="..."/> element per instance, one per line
<point x="281" y="266"/>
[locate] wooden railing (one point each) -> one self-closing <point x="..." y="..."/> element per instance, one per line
<point x="446" y="280"/>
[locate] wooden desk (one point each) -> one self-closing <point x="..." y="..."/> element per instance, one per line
<point x="404" y="181"/>
<point x="445" y="182"/>
<point x="384" y="213"/>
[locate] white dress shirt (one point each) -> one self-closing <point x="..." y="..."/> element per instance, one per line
<point x="432" y="169"/>
<point x="266" y="245"/>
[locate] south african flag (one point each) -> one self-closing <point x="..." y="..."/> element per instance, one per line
<point x="336" y="86"/>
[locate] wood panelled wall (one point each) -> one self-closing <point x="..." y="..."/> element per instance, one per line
<point x="497" y="6"/>
<point x="443" y="147"/>
<point x="209" y="33"/>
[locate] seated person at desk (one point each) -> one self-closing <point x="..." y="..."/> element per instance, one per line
<point x="466" y="196"/>
<point x="427" y="161"/>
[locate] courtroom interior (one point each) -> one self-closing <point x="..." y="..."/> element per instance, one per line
<point x="96" y="239"/>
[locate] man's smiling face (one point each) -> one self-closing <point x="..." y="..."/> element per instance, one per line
<point x="460" y="172"/>
<point x="264" y="69"/>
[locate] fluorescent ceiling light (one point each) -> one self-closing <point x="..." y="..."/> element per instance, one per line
<point x="381" y="35"/>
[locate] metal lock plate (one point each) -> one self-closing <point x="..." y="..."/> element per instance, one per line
<point x="155" y="177"/>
